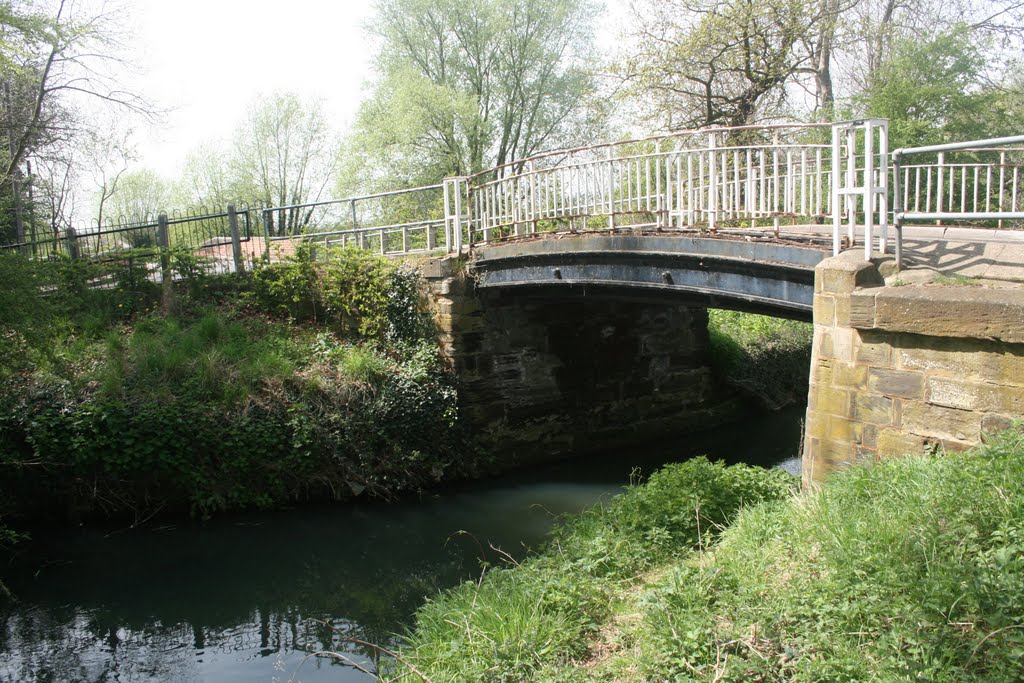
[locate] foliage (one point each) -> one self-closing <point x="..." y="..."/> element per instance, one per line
<point x="722" y="63"/>
<point x="766" y="356"/>
<point x="692" y="64"/>
<point x="350" y="290"/>
<point x="911" y="570"/>
<point x="931" y="92"/>
<point x="537" y="616"/>
<point x="126" y="411"/>
<point x="464" y="88"/>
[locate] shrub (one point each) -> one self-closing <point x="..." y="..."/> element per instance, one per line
<point x="768" y="357"/>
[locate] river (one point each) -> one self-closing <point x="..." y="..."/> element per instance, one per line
<point x="247" y="597"/>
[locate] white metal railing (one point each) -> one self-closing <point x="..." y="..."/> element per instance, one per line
<point x="695" y="179"/>
<point x="744" y="178"/>
<point x="984" y="186"/>
<point x="366" y="222"/>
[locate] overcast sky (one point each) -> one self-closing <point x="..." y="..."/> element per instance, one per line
<point x="206" y="60"/>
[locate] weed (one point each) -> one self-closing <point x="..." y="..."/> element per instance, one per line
<point x="956" y="280"/>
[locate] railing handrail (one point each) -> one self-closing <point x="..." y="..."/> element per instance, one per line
<point x="348" y="200"/>
<point x="972" y="145"/>
<point x="649" y="138"/>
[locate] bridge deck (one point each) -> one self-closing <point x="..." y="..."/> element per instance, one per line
<point x="995" y="257"/>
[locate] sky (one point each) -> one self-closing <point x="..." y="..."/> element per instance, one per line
<point x="204" y="61"/>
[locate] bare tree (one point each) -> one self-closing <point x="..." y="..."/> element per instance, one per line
<point x="284" y="154"/>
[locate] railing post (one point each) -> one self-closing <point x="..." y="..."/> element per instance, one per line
<point x="236" y="239"/>
<point x="268" y="230"/>
<point x="868" y="190"/>
<point x="453" y="213"/>
<point x="881" y="191"/>
<point x="942" y="183"/>
<point x="457" y="225"/>
<point x="533" y="196"/>
<point x="837" y="175"/>
<point x="712" y="180"/>
<point x="163" y="240"/>
<point x="71" y="238"/>
<point x="611" y="190"/>
<point x="897" y="205"/>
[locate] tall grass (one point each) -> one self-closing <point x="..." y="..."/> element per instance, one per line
<point x="911" y="570"/>
<point x="516" y="623"/>
<point x="215" y="357"/>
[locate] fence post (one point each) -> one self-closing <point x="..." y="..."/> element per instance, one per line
<point x="72" y="243"/>
<point x="457" y="226"/>
<point x="268" y="229"/>
<point x="712" y="180"/>
<point x="163" y="240"/>
<point x="236" y="239"/>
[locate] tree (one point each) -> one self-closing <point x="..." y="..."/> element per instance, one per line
<point x="694" y="63"/>
<point x="716" y="63"/>
<point x="283" y="155"/>
<point x="479" y="84"/>
<point x="934" y="91"/>
<point x="205" y="183"/>
<point x="138" y="197"/>
<point x="58" y="59"/>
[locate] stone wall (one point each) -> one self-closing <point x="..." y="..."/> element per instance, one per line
<point x="899" y="370"/>
<point x="547" y="371"/>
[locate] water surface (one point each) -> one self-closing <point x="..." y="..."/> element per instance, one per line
<point x="247" y="597"/>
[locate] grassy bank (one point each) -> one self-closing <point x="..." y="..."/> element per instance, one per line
<point x="308" y="379"/>
<point x="767" y="358"/>
<point x="910" y="570"/>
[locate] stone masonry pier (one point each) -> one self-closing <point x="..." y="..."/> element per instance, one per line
<point x="906" y="369"/>
<point x="544" y="371"/>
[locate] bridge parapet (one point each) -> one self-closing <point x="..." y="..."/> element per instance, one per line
<point x="899" y="370"/>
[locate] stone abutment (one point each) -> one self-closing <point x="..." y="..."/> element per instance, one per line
<point x="904" y="369"/>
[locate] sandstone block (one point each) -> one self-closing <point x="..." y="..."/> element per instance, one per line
<point x="843" y="273"/>
<point x="896" y="383"/>
<point x="862" y="309"/>
<point x="895" y="443"/>
<point x="966" y="312"/>
<point x="870" y="350"/>
<point x="946" y="423"/>
<point x="831" y="400"/>
<point x="872" y="409"/>
<point x="824" y="310"/>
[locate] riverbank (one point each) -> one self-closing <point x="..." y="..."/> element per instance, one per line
<point x="911" y="569"/>
<point x="305" y="380"/>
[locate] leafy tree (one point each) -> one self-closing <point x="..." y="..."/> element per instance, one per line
<point x="931" y="93"/>
<point x="283" y="155"/>
<point x="466" y="87"/>
<point x="140" y="196"/>
<point x="693" y="63"/>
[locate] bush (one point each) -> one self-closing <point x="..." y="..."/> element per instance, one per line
<point x="770" y="358"/>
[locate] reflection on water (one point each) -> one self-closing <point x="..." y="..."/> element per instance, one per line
<point x="246" y="598"/>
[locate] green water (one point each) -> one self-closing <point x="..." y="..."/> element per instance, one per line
<point x="246" y="598"/>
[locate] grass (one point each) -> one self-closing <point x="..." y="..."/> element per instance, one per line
<point x="767" y="357"/>
<point x="956" y="280"/>
<point x="912" y="570"/>
<point x="538" y="617"/>
<point x="224" y="359"/>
